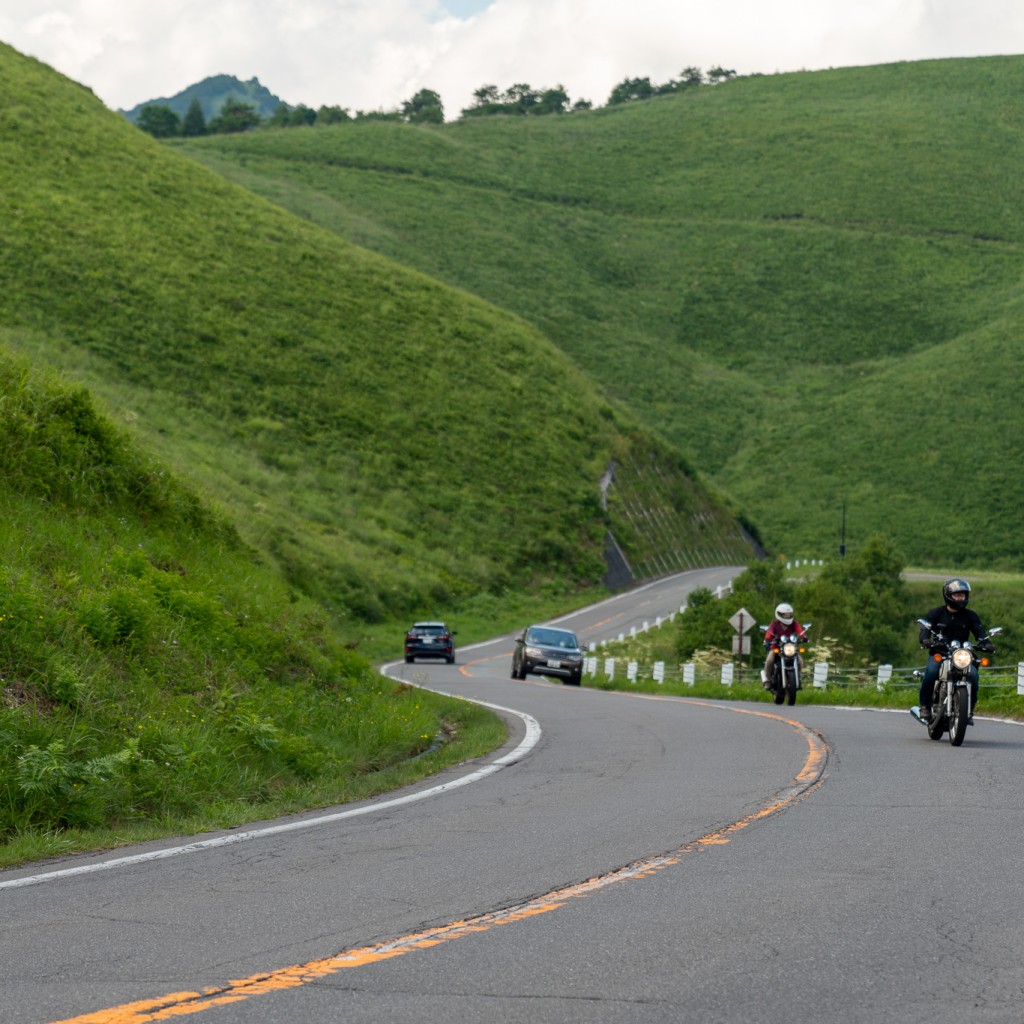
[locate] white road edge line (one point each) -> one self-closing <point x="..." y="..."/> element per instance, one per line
<point x="529" y="741"/>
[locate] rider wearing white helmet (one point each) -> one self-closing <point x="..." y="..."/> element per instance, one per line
<point x="784" y="624"/>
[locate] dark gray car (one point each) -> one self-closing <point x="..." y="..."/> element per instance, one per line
<point x="429" y="640"/>
<point x="546" y="650"/>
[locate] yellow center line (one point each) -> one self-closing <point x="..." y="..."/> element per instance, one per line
<point x="180" y="1004"/>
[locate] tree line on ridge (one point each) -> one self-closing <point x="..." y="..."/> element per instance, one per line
<point x="425" y="107"/>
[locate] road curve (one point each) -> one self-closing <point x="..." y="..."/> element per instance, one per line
<point x="647" y="860"/>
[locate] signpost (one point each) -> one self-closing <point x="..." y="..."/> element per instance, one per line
<point x="742" y="621"/>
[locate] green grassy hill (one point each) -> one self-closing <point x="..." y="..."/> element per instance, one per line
<point x="809" y="282"/>
<point x="395" y="445"/>
<point x="156" y="676"/>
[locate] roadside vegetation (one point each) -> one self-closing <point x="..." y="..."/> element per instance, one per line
<point x="809" y="283"/>
<point x="862" y="611"/>
<point x="156" y="676"/>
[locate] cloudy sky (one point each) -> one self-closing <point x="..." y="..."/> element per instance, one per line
<point x="372" y="54"/>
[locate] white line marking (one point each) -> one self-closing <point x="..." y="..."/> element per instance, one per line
<point x="530" y="740"/>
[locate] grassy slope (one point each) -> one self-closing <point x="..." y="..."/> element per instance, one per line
<point x="156" y="677"/>
<point x="393" y="443"/>
<point x="809" y="282"/>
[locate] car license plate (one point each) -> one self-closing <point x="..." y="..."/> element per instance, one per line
<point x="554" y="664"/>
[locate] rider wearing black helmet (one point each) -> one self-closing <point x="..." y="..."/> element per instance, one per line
<point x="955" y="621"/>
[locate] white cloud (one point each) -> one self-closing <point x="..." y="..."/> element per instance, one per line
<point x="365" y="54"/>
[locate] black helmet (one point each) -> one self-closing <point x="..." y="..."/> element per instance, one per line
<point x="956" y="586"/>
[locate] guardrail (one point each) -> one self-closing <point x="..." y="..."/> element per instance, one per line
<point x="820" y="674"/>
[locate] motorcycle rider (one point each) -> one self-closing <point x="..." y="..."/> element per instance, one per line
<point x="783" y="624"/>
<point x="955" y="621"/>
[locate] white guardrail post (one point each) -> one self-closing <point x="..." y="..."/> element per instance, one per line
<point x="689" y="673"/>
<point x="1020" y="678"/>
<point x="821" y="674"/>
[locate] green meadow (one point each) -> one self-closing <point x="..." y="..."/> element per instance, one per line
<point x="809" y="283"/>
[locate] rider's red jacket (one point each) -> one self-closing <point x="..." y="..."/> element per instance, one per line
<point x="777" y="629"/>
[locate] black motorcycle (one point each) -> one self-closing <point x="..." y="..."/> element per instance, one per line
<point x="951" y="699"/>
<point x="785" y="680"/>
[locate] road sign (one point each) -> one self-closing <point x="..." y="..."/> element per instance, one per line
<point x="742" y="621"/>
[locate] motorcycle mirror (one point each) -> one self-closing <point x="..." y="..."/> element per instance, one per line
<point x="995" y="631"/>
<point x="925" y="623"/>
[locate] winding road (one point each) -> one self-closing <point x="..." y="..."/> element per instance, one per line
<point x="623" y="858"/>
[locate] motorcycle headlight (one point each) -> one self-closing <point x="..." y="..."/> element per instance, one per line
<point x="789" y="650"/>
<point x="962" y="659"/>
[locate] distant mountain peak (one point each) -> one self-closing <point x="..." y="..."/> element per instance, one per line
<point x="211" y="93"/>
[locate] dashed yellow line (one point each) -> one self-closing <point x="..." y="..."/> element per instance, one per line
<point x="181" y="1004"/>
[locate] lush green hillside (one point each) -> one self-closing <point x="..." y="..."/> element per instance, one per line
<point x="809" y="282"/>
<point x="394" y="444"/>
<point x="155" y="675"/>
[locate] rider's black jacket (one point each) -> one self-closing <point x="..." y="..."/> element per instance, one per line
<point x="956" y="625"/>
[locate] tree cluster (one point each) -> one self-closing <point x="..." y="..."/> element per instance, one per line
<point x="425" y="107"/>
<point x="521" y="99"/>
<point x="630" y="89"/>
<point x="860" y="603"/>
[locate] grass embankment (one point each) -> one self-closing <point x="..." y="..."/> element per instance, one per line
<point x="808" y="282"/>
<point x="395" y="446"/>
<point x="157" y="677"/>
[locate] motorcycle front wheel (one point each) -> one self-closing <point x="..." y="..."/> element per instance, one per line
<point x="958" y="723"/>
<point x="792" y="685"/>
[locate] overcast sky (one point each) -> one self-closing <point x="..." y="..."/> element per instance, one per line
<point x="372" y="54"/>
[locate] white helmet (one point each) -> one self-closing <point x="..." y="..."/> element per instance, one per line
<point x="784" y="613"/>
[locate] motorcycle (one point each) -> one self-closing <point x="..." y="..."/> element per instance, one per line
<point x="785" y="680"/>
<point x="951" y="699"/>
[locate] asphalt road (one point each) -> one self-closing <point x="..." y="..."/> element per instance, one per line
<point x="623" y="858"/>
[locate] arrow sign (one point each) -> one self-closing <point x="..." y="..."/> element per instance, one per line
<point x="742" y="621"/>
